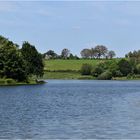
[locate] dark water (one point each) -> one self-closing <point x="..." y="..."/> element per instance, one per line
<point x="71" y="109"/>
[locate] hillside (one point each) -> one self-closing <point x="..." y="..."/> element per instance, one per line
<point x="74" y="65"/>
<point x="67" y="69"/>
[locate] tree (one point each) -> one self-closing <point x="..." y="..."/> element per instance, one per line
<point x="124" y="67"/>
<point x="134" y="56"/>
<point x="65" y="53"/>
<point x="111" y="54"/>
<point x="101" y="51"/>
<point x="51" y="54"/>
<point x="93" y="53"/>
<point x="86" y="53"/>
<point x="12" y="64"/>
<point x="71" y="56"/>
<point x="138" y="68"/>
<point x="33" y="60"/>
<point x="98" y="69"/>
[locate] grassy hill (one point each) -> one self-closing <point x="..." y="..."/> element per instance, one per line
<point x="75" y="65"/>
<point x="67" y="69"/>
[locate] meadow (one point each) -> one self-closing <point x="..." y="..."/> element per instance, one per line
<point x="73" y="65"/>
<point x="67" y="69"/>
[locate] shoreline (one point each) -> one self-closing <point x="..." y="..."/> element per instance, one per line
<point x="11" y="82"/>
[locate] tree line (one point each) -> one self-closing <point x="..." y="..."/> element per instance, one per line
<point x="125" y="67"/>
<point x="99" y="51"/>
<point x="19" y="63"/>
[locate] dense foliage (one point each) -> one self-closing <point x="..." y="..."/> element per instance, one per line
<point x="115" y="68"/>
<point x="19" y="64"/>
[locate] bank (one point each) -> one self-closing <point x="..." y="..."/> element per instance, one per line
<point x="12" y="82"/>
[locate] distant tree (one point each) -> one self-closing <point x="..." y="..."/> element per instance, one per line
<point x="76" y="57"/>
<point x="33" y="60"/>
<point x="86" y="53"/>
<point x="51" y="54"/>
<point x="65" y="53"/>
<point x="124" y="67"/>
<point x="134" y="57"/>
<point x="101" y="51"/>
<point x="71" y="56"/>
<point x="93" y="53"/>
<point x="111" y="54"/>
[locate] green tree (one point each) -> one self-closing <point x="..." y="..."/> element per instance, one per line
<point x="11" y="62"/>
<point x="33" y="60"/>
<point x="51" y="54"/>
<point x="124" y="67"/>
<point x="98" y="69"/>
<point x="138" y="68"/>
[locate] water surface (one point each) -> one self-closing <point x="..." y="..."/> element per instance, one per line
<point x="71" y="109"/>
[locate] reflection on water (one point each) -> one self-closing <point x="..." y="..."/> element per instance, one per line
<point x="71" y="109"/>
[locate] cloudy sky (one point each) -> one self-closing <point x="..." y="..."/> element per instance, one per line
<point x="75" y="25"/>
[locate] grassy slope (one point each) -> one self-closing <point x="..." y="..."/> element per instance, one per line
<point x="68" y="64"/>
<point x="60" y="65"/>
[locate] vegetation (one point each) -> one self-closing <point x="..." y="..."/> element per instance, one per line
<point x="71" y="69"/>
<point x="107" y="75"/>
<point x="86" y="69"/>
<point x="18" y="65"/>
<point x="100" y="51"/>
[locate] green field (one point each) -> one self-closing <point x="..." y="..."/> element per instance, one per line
<point x="75" y="65"/>
<point x="67" y="69"/>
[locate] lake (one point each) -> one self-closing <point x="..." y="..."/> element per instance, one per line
<point x="71" y="109"/>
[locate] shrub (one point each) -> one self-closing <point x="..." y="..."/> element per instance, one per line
<point x="138" y="68"/>
<point x="97" y="70"/>
<point x="107" y="75"/>
<point x="124" y="67"/>
<point x="86" y="69"/>
<point x="131" y="76"/>
<point x="10" y="81"/>
<point x="118" y="73"/>
<point x="2" y="81"/>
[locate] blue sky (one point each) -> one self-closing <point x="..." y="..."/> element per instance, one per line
<point x="75" y="25"/>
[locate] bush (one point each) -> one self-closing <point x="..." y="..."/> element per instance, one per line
<point x="137" y="76"/>
<point x="97" y="70"/>
<point x="2" y="81"/>
<point x="107" y="75"/>
<point x="10" y="81"/>
<point x="118" y="73"/>
<point x="138" y="68"/>
<point x="131" y="76"/>
<point x="86" y="69"/>
<point x="124" y="67"/>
